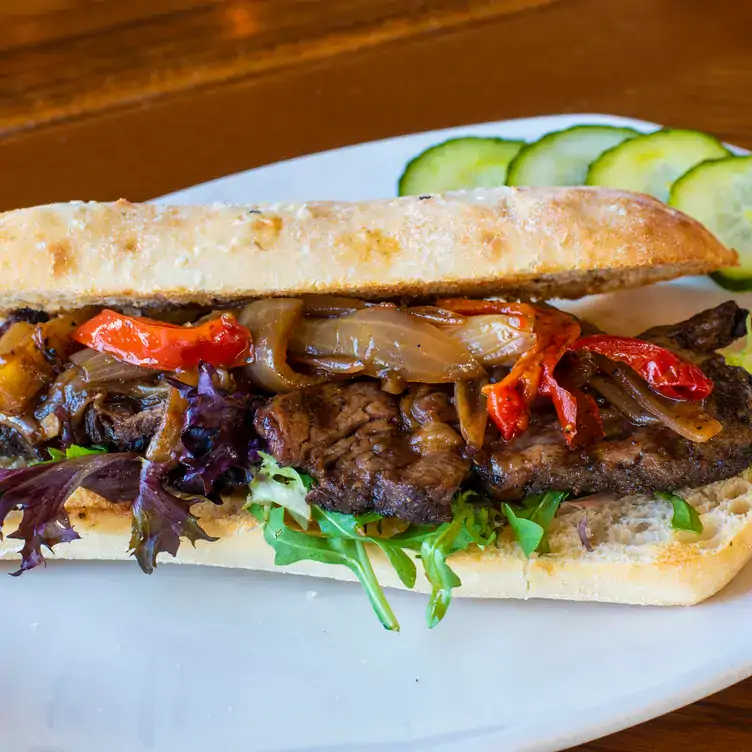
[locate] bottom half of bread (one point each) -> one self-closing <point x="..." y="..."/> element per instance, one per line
<point x="636" y="557"/>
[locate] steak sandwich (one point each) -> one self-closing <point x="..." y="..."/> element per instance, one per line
<point x="375" y="391"/>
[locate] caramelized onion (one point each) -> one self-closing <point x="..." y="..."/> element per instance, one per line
<point x="435" y="315"/>
<point x="686" y="418"/>
<point x="495" y="339"/>
<point x="271" y="323"/>
<point x="99" y="366"/>
<point x="472" y="411"/>
<point x="167" y="438"/>
<point x="334" y="364"/>
<point x="387" y="341"/>
<point x="330" y="306"/>
<point x="626" y="405"/>
<point x="391" y="383"/>
<point x="17" y="334"/>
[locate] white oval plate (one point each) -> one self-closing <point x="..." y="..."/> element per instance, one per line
<point x="99" y="657"/>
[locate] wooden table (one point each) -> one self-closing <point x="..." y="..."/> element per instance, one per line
<point x="101" y="99"/>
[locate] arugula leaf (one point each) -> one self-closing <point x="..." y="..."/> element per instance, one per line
<point x="540" y="510"/>
<point x="336" y="524"/>
<point x="285" y="486"/>
<point x="685" y="516"/>
<point x="741" y="358"/>
<point x="291" y="546"/>
<point x="469" y="526"/>
<point x="528" y="533"/>
<point x="74" y="450"/>
<point x="341" y="539"/>
<point x="71" y="453"/>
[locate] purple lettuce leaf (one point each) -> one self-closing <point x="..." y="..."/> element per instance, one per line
<point x="39" y="492"/>
<point x="217" y="436"/>
<point x="160" y="519"/>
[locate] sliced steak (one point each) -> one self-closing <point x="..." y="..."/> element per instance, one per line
<point x="369" y="450"/>
<point x="121" y="424"/>
<point x="644" y="459"/>
<point x="14" y="443"/>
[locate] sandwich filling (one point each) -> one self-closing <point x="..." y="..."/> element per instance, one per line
<point x="436" y="421"/>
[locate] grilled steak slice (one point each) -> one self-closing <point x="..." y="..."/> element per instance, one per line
<point x="13" y="443"/>
<point x="369" y="450"/>
<point x="648" y="458"/>
<point x="122" y="424"/>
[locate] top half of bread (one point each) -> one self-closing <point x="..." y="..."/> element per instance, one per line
<point x="535" y="242"/>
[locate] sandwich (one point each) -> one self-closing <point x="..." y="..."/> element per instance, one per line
<point x="379" y="391"/>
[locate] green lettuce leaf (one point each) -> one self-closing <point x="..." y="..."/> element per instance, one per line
<point x="284" y="486"/>
<point x="685" y="516"/>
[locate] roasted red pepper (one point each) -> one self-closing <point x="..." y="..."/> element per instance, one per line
<point x="510" y="399"/>
<point x="221" y="341"/>
<point x="578" y="412"/>
<point x="666" y="372"/>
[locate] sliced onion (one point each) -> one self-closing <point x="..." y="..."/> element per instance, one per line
<point x="472" y="411"/>
<point x="17" y="334"/>
<point x="334" y="364"/>
<point x="271" y="323"/>
<point x="388" y="341"/>
<point x="582" y="531"/>
<point x="391" y="383"/>
<point x="167" y="438"/>
<point x="98" y="367"/>
<point x="330" y="306"/>
<point x="495" y="339"/>
<point x="686" y="418"/>
<point x="626" y="405"/>
<point x="435" y="315"/>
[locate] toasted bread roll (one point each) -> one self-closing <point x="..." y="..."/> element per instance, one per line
<point x="637" y="556"/>
<point x="535" y="242"/>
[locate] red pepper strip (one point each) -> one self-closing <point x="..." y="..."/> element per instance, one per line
<point x="666" y="373"/>
<point x="221" y="341"/>
<point x="578" y="412"/>
<point x="509" y="400"/>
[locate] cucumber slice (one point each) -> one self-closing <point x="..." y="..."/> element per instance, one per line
<point x="650" y="164"/>
<point x="459" y="163"/>
<point x="563" y="157"/>
<point x="719" y="194"/>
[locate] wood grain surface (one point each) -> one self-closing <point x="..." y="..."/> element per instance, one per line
<point x="102" y="98"/>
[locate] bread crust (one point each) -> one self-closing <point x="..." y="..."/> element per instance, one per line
<point x="537" y="242"/>
<point x="636" y="558"/>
